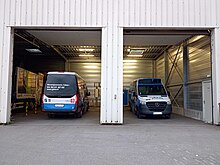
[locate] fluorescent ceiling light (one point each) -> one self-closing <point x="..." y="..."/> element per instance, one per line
<point x="34" y="50"/>
<point x="135" y="55"/>
<point x="86" y="55"/>
<point x="91" y="67"/>
<point x="137" y="51"/>
<point x="129" y="67"/>
<point x="85" y="50"/>
<point x="130" y="61"/>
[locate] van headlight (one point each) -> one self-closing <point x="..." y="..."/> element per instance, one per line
<point x="169" y="102"/>
<point x="142" y="102"/>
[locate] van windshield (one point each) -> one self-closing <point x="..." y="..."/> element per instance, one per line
<point x="60" y="85"/>
<point x="151" y="90"/>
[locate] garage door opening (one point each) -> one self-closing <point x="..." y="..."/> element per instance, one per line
<point x="38" y="51"/>
<point x="181" y="59"/>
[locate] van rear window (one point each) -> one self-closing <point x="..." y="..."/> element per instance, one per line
<point x="60" y="85"/>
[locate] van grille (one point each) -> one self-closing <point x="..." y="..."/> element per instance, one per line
<point x="156" y="106"/>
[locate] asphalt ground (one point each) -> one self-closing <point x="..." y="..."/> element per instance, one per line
<point x="35" y="139"/>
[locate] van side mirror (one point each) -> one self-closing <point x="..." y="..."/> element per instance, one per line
<point x="134" y="94"/>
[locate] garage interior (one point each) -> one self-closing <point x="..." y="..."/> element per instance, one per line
<point x="41" y="51"/>
<point x="182" y="59"/>
<point x="147" y="53"/>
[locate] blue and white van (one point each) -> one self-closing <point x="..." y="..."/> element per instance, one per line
<point x="65" y="92"/>
<point x="149" y="97"/>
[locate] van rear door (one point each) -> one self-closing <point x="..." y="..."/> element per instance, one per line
<point x="60" y="86"/>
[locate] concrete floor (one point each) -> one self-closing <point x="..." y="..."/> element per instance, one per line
<point x="35" y="139"/>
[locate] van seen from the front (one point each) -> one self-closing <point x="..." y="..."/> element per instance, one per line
<point x="65" y="92"/>
<point x="148" y="96"/>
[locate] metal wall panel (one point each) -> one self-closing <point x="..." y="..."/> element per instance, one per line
<point x="175" y="75"/>
<point x="199" y="69"/>
<point x="195" y="96"/>
<point x="199" y="59"/>
<point x="136" y="69"/>
<point x="160" y="68"/>
<point x="170" y="13"/>
<point x="175" y="61"/>
<point x="132" y="13"/>
<point x="175" y="57"/>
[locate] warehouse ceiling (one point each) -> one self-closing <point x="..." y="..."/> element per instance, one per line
<point x="74" y="44"/>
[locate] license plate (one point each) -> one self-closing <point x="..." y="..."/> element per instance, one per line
<point x="157" y="113"/>
<point x="59" y="105"/>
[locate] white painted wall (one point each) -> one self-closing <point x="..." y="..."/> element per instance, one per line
<point x="112" y="16"/>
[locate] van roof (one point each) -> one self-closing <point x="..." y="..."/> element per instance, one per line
<point x="145" y="81"/>
<point x="70" y="73"/>
<point x="152" y="79"/>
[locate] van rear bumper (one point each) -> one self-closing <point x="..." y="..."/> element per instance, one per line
<point x="59" y="107"/>
<point x="144" y="110"/>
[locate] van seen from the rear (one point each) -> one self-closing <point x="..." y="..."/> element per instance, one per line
<point x="65" y="92"/>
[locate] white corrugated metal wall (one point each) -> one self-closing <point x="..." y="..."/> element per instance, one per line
<point x="112" y="16"/>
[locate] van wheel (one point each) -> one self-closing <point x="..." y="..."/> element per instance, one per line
<point x="79" y="114"/>
<point x="139" y="116"/>
<point x="167" y="116"/>
<point x="50" y="115"/>
<point x="87" y="109"/>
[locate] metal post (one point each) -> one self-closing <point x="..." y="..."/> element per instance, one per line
<point x="185" y="76"/>
<point x="166" y="67"/>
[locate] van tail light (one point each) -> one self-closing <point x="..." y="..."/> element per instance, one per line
<point x="75" y="99"/>
<point x="42" y="99"/>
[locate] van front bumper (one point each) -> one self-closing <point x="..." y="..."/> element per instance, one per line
<point x="145" y="110"/>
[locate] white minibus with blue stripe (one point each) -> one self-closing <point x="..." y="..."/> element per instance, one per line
<point x="65" y="92"/>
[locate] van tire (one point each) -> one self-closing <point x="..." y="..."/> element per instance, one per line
<point x="167" y="116"/>
<point x="79" y="114"/>
<point x="50" y="115"/>
<point x="139" y="116"/>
